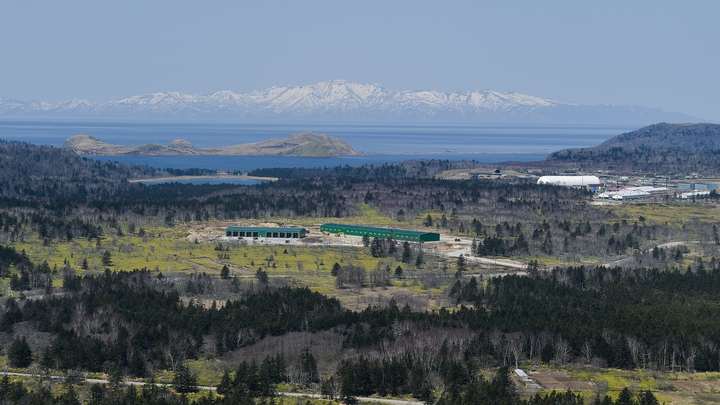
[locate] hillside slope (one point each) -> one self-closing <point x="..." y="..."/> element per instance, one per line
<point x="659" y="149"/>
<point x="669" y="136"/>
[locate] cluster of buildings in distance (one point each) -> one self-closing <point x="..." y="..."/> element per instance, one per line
<point x="610" y="190"/>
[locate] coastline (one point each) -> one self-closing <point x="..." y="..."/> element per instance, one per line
<point x="447" y="152"/>
<point x="219" y="176"/>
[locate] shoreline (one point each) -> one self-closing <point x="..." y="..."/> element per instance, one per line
<point x="209" y="177"/>
<point x="354" y="154"/>
<point x="454" y="153"/>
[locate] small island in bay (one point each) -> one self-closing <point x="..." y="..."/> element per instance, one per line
<point x="306" y="144"/>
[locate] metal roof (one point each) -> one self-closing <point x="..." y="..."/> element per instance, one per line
<point x="375" y="229"/>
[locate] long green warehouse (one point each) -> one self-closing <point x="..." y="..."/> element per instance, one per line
<point x="261" y="232"/>
<point x="399" y="234"/>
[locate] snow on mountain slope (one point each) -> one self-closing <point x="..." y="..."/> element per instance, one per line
<point x="339" y="99"/>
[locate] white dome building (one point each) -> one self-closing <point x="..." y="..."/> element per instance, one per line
<point x="577" y="181"/>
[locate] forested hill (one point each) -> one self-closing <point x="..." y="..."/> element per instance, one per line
<point x="41" y="173"/>
<point x="656" y="149"/>
<point x="669" y="136"/>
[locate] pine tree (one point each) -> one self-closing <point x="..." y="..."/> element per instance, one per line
<point x="347" y="390"/>
<point x="406" y="254"/>
<point x="625" y="397"/>
<point x="20" y="354"/>
<point x="262" y="276"/>
<point x="461" y="263"/>
<point x="184" y="381"/>
<point x="308" y="365"/>
<point x="137" y="365"/>
<point x="376" y="248"/>
<point x="106" y="258"/>
<point x="226" y="384"/>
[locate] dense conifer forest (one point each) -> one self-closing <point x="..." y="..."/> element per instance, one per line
<point x="130" y="323"/>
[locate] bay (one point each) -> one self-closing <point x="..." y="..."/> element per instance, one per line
<point x="386" y="143"/>
<point x="247" y="163"/>
<point x="372" y="138"/>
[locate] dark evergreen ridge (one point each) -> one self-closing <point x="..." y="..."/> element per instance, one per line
<point x="138" y="321"/>
<point x="669" y="136"/>
<point x="656" y="149"/>
<point x="603" y="307"/>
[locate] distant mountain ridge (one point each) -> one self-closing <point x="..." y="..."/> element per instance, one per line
<point x="306" y="144"/>
<point x="342" y="100"/>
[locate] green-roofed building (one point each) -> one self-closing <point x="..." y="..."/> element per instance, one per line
<point x="262" y="232"/>
<point x="372" y="232"/>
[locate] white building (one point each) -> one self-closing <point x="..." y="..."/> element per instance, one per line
<point x="577" y="181"/>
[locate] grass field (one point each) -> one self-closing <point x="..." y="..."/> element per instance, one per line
<point x="677" y="215"/>
<point x="168" y="250"/>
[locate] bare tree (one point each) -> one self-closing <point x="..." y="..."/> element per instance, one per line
<point x="178" y="350"/>
<point x="295" y="374"/>
<point x="586" y="352"/>
<point x="562" y="351"/>
<point x="663" y="351"/>
<point x="673" y="356"/>
<point x="246" y="337"/>
<point x="544" y="338"/>
<point x="352" y="275"/>
<point x="689" y="357"/>
<point x="78" y="315"/>
<point x="516" y="344"/>
<point x="635" y="347"/>
<point x="333" y="386"/>
<point x="533" y="341"/>
<point x="400" y="328"/>
<point x="486" y="362"/>
<point x="496" y="338"/>
<point x="646" y="356"/>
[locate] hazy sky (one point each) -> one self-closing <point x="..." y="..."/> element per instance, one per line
<point x="663" y="54"/>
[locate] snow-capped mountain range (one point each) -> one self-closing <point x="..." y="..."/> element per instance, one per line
<point x="341" y="100"/>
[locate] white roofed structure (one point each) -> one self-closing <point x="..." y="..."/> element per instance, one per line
<point x="630" y="193"/>
<point x="569" y="180"/>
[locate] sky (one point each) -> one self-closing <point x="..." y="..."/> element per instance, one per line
<point x="662" y="54"/>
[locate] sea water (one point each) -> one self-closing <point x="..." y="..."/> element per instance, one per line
<point x="386" y="143"/>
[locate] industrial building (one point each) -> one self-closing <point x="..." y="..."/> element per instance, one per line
<point x="262" y="232"/>
<point x="685" y="186"/>
<point x="630" y="193"/>
<point x="398" y="234"/>
<point x="694" y="195"/>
